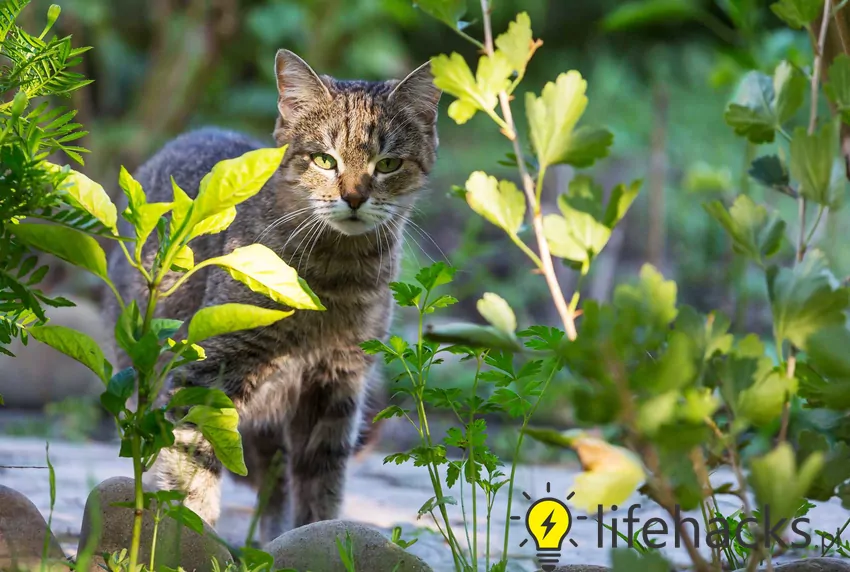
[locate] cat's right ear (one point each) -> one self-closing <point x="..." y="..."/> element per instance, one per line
<point x="297" y="84"/>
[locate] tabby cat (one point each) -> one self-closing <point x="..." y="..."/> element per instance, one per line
<point x="359" y="153"/>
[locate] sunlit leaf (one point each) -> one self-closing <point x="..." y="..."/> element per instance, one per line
<point x="611" y="474"/>
<point x="188" y="396"/>
<point x="497" y="312"/>
<point x="552" y="118"/>
<point x="763" y="104"/>
<point x="259" y="268"/>
<point x="223" y="319"/>
<point x="500" y="202"/>
<point x="233" y="181"/>
<point x="89" y="196"/>
<point x="517" y="43"/>
<point x="474" y="93"/>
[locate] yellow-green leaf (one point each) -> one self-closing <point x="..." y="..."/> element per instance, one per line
<point x="76" y="345"/>
<point x="89" y="196"/>
<point x="214" y="224"/>
<point x="517" y="43"/>
<point x="233" y="181"/>
<point x="500" y="202"/>
<point x="180" y="206"/>
<point x="220" y="428"/>
<point x="132" y="188"/>
<point x="259" y="268"/>
<point x="226" y="318"/>
<point x="554" y="114"/>
<point x="497" y="312"/>
<point x="479" y="92"/>
<point x="184" y="260"/>
<point x="66" y="243"/>
<point x="611" y="474"/>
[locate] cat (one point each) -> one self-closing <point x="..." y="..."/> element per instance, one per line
<point x="358" y="155"/>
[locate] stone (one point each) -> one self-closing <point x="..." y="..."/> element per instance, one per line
<point x="313" y="547"/>
<point x="581" y="568"/>
<point x="22" y="533"/>
<point x="39" y="375"/>
<point x="813" y="565"/>
<point x="176" y="545"/>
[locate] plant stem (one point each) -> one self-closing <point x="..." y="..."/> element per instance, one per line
<point x="157" y="517"/>
<point x="474" y="482"/>
<point x="140" y="501"/>
<point x="515" y="459"/>
<point x="548" y="268"/>
<point x="802" y="242"/>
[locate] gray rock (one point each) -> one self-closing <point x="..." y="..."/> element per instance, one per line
<point x="38" y="374"/>
<point x="814" y="565"/>
<point x="313" y="547"/>
<point x="22" y="533"/>
<point x="175" y="545"/>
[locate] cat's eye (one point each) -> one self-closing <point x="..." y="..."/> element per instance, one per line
<point x="323" y="161"/>
<point x="388" y="165"/>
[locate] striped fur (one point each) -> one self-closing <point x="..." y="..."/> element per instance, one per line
<point x="301" y="385"/>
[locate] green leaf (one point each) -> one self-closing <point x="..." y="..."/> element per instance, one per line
<point x="233" y="181"/>
<point x="764" y="104"/>
<point x="474" y="93"/>
<point x="226" y="318"/>
<point x="585" y="227"/>
<point x="180" y="206"/>
<point x="651" y="303"/>
<point x="790" y="89"/>
<point x="838" y="87"/>
<point x="836" y="464"/>
<point x="551" y="437"/>
<point x="517" y="43"/>
<point x="827" y="349"/>
<point x="184" y="260"/>
<point x="66" y="243"/>
<point x="475" y="336"/>
<point x="438" y="274"/>
<point x="805" y="299"/>
<point x="797" y="13"/>
<point x="771" y="172"/>
<point x="710" y="334"/>
<point x="640" y="13"/>
<point x="754" y="233"/>
<point x="132" y="189"/>
<point x="780" y="484"/>
<point x="76" y="345"/>
<point x="447" y="11"/>
<point x="497" y="312"/>
<point x="89" y="196"/>
<point x="389" y="412"/>
<point x="259" y="268"/>
<point x="624" y="560"/>
<point x="189" y="396"/>
<point x="118" y="390"/>
<point x="220" y="428"/>
<point x="405" y="294"/>
<point x="814" y="164"/>
<point x="500" y="202"/>
<point x="552" y="118"/>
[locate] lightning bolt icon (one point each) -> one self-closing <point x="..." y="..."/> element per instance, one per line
<point x="548" y="524"/>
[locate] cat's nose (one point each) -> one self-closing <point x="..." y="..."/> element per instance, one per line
<point x="354" y="199"/>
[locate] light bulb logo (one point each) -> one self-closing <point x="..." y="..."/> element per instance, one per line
<point x="548" y="520"/>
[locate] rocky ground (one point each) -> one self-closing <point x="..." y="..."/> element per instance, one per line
<point x="377" y="495"/>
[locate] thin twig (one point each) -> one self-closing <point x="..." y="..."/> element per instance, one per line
<point x="802" y="245"/>
<point x="548" y="268"/>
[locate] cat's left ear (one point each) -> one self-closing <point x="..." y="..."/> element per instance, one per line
<point x="418" y="92"/>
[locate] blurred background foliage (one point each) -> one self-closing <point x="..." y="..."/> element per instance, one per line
<point x="660" y="74"/>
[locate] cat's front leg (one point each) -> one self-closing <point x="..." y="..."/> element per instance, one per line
<point x="322" y="433"/>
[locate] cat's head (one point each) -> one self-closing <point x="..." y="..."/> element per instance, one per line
<point x="358" y="151"/>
